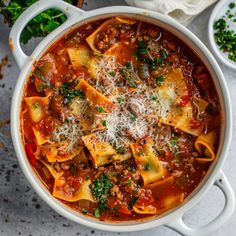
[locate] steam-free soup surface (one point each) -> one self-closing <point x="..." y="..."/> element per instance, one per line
<point x="120" y="120"/>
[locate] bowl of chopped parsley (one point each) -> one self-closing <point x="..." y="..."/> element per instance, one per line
<point x="222" y="32"/>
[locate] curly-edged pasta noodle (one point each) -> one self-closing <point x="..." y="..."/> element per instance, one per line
<point x="147" y="162"/>
<point x="122" y="157"/>
<point x="55" y="174"/>
<point x="200" y="104"/>
<point x="36" y="106"/>
<point x="84" y="192"/>
<point x="145" y="210"/>
<point x="113" y="21"/>
<point x="56" y="152"/>
<point x="101" y="152"/>
<point x="40" y="138"/>
<point x="205" y="145"/>
<point x="170" y="94"/>
<point x="94" y="97"/>
<point x="91" y="38"/>
<point x="79" y="56"/>
<point x="120" y="51"/>
<point x="168" y="191"/>
<point x="81" y="158"/>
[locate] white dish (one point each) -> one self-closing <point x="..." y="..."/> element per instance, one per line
<point x="215" y="176"/>
<point x="220" y="10"/>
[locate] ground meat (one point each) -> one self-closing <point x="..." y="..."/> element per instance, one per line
<point x="185" y="145"/>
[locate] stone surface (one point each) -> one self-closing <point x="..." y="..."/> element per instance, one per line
<point x="22" y="212"/>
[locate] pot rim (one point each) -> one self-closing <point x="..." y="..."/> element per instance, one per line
<point x="29" y="172"/>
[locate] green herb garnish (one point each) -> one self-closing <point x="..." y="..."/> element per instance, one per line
<point x="112" y="73"/>
<point x="225" y="38"/>
<point x="148" y="167"/>
<point x="129" y="182"/>
<point x="133" y="117"/>
<point x="39" y="26"/>
<point x="132" y="202"/>
<point x="159" y="80"/>
<point x="100" y="189"/>
<point x="173" y="142"/>
<point x="104" y="123"/>
<point x="96" y="213"/>
<point x="69" y="95"/>
<point x="231" y="5"/>
<point x="163" y="54"/>
<point x="100" y="109"/>
<point x="36" y="105"/>
<point x="84" y="211"/>
<point x="120" y="100"/>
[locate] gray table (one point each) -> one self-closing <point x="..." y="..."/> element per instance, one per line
<point x="22" y="212"/>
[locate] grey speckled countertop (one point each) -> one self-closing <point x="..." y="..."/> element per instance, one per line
<point x="22" y="212"/>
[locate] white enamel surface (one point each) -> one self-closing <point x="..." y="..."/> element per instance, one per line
<point x="174" y="216"/>
<point x="220" y="10"/>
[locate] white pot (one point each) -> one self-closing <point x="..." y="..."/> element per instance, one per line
<point x="215" y="176"/>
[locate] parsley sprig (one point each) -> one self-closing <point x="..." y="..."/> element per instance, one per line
<point x="39" y="26"/>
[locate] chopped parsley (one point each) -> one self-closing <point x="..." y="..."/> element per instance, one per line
<point x="132" y="202"/>
<point x="133" y="117"/>
<point x="100" y="109"/>
<point x="100" y="189"/>
<point x="84" y="211"/>
<point x="36" y="105"/>
<point x="104" y="123"/>
<point x="70" y="94"/>
<point x="225" y="37"/>
<point x="96" y="213"/>
<point x="148" y="167"/>
<point x="120" y="100"/>
<point x="112" y="73"/>
<point x="129" y="182"/>
<point x="164" y="54"/>
<point x="140" y="153"/>
<point x="232" y="5"/>
<point x="159" y="80"/>
<point x="154" y="98"/>
<point x="173" y="142"/>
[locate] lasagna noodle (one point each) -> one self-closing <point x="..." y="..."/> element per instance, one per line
<point x="101" y="152"/>
<point x="94" y="97"/>
<point x="147" y="162"/>
<point x="172" y="113"/>
<point x="84" y="192"/>
<point x="51" y="151"/>
<point x="113" y="21"/>
<point x="145" y="210"/>
<point x="167" y="192"/>
<point x="205" y="145"/>
<point x="36" y="106"/>
<point x="40" y="139"/>
<point x="79" y="56"/>
<point x="55" y="174"/>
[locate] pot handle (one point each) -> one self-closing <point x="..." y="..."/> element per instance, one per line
<point x="35" y="9"/>
<point x="222" y="183"/>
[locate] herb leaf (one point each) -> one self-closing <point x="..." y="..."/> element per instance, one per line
<point x="100" y="189"/>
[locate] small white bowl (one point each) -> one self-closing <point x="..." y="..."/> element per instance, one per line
<point x="220" y="10"/>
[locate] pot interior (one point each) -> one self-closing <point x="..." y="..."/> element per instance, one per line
<point x="153" y="19"/>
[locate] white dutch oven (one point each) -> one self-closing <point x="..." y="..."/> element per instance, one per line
<point x="76" y="17"/>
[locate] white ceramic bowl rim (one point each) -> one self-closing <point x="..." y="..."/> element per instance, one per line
<point x="172" y="219"/>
